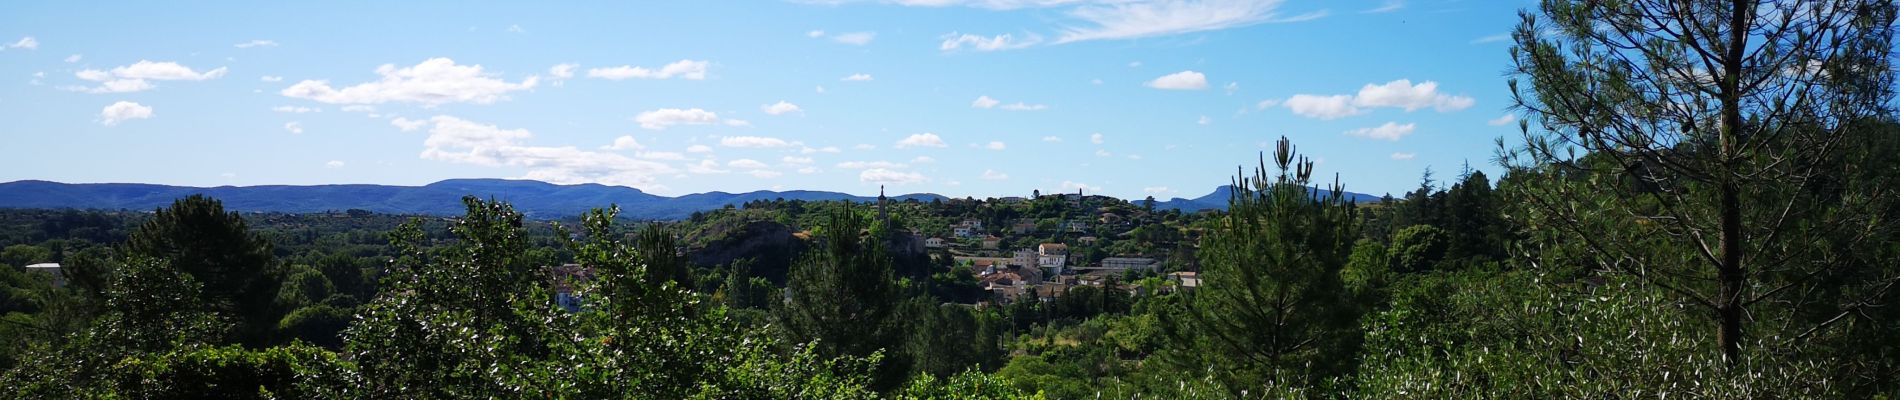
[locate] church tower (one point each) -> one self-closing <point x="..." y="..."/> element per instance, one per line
<point x="881" y="200"/>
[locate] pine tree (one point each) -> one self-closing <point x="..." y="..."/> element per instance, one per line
<point x="1695" y="145"/>
<point x="843" y="295"/>
<point x="1272" y="309"/>
<point x="235" y="266"/>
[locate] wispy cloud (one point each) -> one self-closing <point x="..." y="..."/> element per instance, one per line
<point x="1389" y="6"/>
<point x="683" y="69"/>
<point x="256" y="43"/>
<point x="1390" y="131"/>
<point x="955" y="41"/>
<point x="435" y="81"/>
<point x="1129" y="20"/>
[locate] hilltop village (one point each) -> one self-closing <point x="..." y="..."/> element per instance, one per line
<point x="1011" y="248"/>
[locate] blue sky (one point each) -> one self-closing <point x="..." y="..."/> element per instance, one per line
<point x="1129" y="98"/>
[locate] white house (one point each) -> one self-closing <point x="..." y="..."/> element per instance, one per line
<point x="1185" y="280"/>
<point x="59" y="280"/>
<point x="1128" y="263"/>
<point x="964" y="231"/>
<point x="934" y="243"/>
<point x="1053" y="256"/>
<point x="1076" y="226"/>
<point x="1023" y="257"/>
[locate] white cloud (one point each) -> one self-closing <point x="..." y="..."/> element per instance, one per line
<point x="923" y="160"/>
<point x="1103" y="153"/>
<point x="752" y="142"/>
<point x="294" y="127"/>
<point x="407" y="125"/>
<point x="295" y="109"/>
<point x="885" y="176"/>
<point x="1156" y="190"/>
<point x="1184" y="80"/>
<point x="1232" y="87"/>
<point x="992" y="175"/>
<point x="562" y="72"/>
<point x="1095" y="138"/>
<point x="1266" y="104"/>
<point x="955" y="41"/>
<point x="1403" y="94"/>
<point x="271" y="78"/>
<point x="1404" y="156"/>
<point x="1322" y="107"/>
<point x="624" y="143"/>
<point x="996" y="146"/>
<point x="137" y="77"/>
<point x="857" y="78"/>
<point x="1052" y="139"/>
<point x="1128" y="20"/>
<point x="1068" y="186"/>
<point x="1389" y="6"/>
<point x="746" y="163"/>
<point x="24" y="43"/>
<point x="256" y="43"/>
<point x="333" y="164"/>
<point x="781" y="107"/>
<point x="667" y="117"/>
<point x="1400" y="94"/>
<point x="516" y="29"/>
<point x="826" y="149"/>
<point x="660" y="155"/>
<point x="1491" y="39"/>
<point x="705" y="167"/>
<point x="74" y="58"/>
<point x="869" y="165"/>
<point x="815" y="34"/>
<point x="854" y="38"/>
<point x="738" y="123"/>
<point x="1390" y="131"/>
<point x="765" y="174"/>
<point x="119" y="86"/>
<point x="699" y="148"/>
<point x="984" y="102"/>
<point x="461" y="141"/>
<point x="683" y="69"/>
<point x="809" y="170"/>
<point x="1505" y="119"/>
<point x="796" y="160"/>
<point x="1020" y="106"/>
<point x="925" y="139"/>
<point x="433" y="82"/>
<point x="863" y="146"/>
<point x="820" y="89"/>
<point x="1204" y="120"/>
<point x="123" y="111"/>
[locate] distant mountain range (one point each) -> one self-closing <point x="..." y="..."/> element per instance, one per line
<point x="534" y="198"/>
<point x="1218" y="199"/>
